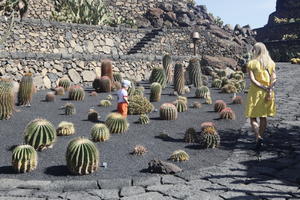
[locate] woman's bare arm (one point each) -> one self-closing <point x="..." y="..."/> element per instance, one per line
<point x="255" y="82"/>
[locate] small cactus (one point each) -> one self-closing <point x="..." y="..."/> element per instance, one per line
<point x="217" y="83"/>
<point x="227" y="113"/>
<point x="93" y="115"/>
<point x="158" y="75"/>
<point x="219" y="105"/>
<point x="183" y="98"/>
<point x="196" y="105"/>
<point x="179" y="155"/>
<point x="144" y="119"/>
<point x="202" y="92"/>
<point x="76" y="93"/>
<point x="40" y="134"/>
<point x="24" y="159"/>
<point x="167" y="64"/>
<point x="179" y="79"/>
<point x="109" y="97"/>
<point x="82" y="156"/>
<point x="168" y="111"/>
<point x="70" y="109"/>
<point x="100" y="133"/>
<point x="181" y="106"/>
<point x="50" y="97"/>
<point x="59" y="91"/>
<point x="7" y="99"/>
<point x="26" y="90"/>
<point x="139" y="150"/>
<point x="237" y="100"/>
<point x="195" y="73"/>
<point x="190" y="136"/>
<point x="155" y="92"/>
<point x="116" y="123"/>
<point x="65" y="83"/>
<point x="209" y="138"/>
<point x="105" y="103"/>
<point x="65" y="129"/>
<point x="229" y="88"/>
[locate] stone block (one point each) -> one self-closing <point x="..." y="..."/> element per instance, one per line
<point x="131" y="191"/>
<point x="114" y="183"/>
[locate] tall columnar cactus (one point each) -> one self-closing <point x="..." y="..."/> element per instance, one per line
<point x="26" y="90"/>
<point x="167" y="64"/>
<point x="219" y="105"/>
<point x="168" y="111"/>
<point x="144" y="119"/>
<point x="40" y="134"/>
<point x="24" y="159"/>
<point x="195" y="73"/>
<point x="7" y="99"/>
<point x="209" y="138"/>
<point x="100" y="133"/>
<point x="76" y="93"/>
<point x="116" y="123"/>
<point x="106" y="69"/>
<point x="82" y="156"/>
<point x="159" y="75"/>
<point x="217" y="83"/>
<point x="227" y="113"/>
<point x="181" y="105"/>
<point x="179" y="155"/>
<point x="190" y="136"/>
<point x="202" y="92"/>
<point x="70" y="109"/>
<point x="65" y="129"/>
<point x="179" y="79"/>
<point x="65" y="83"/>
<point x="139" y="105"/>
<point x="155" y="93"/>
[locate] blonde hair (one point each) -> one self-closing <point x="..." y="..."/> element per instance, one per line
<point x="261" y="54"/>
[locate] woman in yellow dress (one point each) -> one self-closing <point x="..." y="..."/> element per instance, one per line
<point x="260" y="99"/>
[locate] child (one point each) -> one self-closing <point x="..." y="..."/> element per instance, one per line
<point x="123" y="98"/>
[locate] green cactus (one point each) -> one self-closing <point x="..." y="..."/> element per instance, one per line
<point x="102" y="84"/>
<point x="65" y="129"/>
<point x="40" y="134"/>
<point x="82" y="156"/>
<point x="65" y="83"/>
<point x="139" y="105"/>
<point x="204" y="80"/>
<point x="190" y="136"/>
<point x="155" y="93"/>
<point x="181" y="106"/>
<point x="59" y="91"/>
<point x="139" y="91"/>
<point x="93" y="115"/>
<point x="216" y="83"/>
<point x="183" y="98"/>
<point x="117" y="77"/>
<point x="179" y="155"/>
<point x="225" y="81"/>
<point x="227" y="113"/>
<point x="100" y="133"/>
<point x="168" y="111"/>
<point x="242" y="85"/>
<point x="76" y="93"/>
<point x="116" y="123"/>
<point x="195" y="73"/>
<point x="70" y="109"/>
<point x="144" y="119"/>
<point x="209" y="138"/>
<point x="229" y="88"/>
<point x="50" y="97"/>
<point x="109" y="97"/>
<point x="105" y="103"/>
<point x="24" y="159"/>
<point x="158" y="75"/>
<point x="202" y="92"/>
<point x="26" y="90"/>
<point x="219" y="105"/>
<point x="222" y="73"/>
<point x="167" y="64"/>
<point x="179" y="79"/>
<point x="7" y="99"/>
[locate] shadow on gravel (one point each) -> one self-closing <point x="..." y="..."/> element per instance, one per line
<point x="7" y="170"/>
<point x="60" y="170"/>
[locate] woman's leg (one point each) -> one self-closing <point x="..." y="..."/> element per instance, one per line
<point x="262" y="126"/>
<point x="255" y="127"/>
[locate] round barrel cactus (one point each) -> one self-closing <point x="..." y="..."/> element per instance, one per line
<point x="179" y="79"/>
<point x="105" y="103"/>
<point x="7" y="99"/>
<point x="155" y="92"/>
<point x="219" y="105"/>
<point x="195" y="73"/>
<point x="202" y="92"/>
<point x="26" y="90"/>
<point x="24" y="159"/>
<point x="82" y="156"/>
<point x="190" y="136"/>
<point x="144" y="119"/>
<point x="204" y="80"/>
<point x="70" y="109"/>
<point x="116" y="123"/>
<point x="103" y="84"/>
<point x="179" y="155"/>
<point x="100" y="133"/>
<point x="50" y="97"/>
<point x="227" y="113"/>
<point x="59" y="91"/>
<point x="40" y="134"/>
<point x="216" y="83"/>
<point x="181" y="105"/>
<point x="158" y="75"/>
<point x="209" y="138"/>
<point x="168" y="111"/>
<point x="237" y="100"/>
<point x="93" y="115"/>
<point x="76" y="93"/>
<point x="65" y="129"/>
<point x="65" y="83"/>
<point x="229" y="88"/>
<point x="167" y="64"/>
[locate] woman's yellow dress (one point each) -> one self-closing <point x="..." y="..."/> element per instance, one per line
<point x="256" y="105"/>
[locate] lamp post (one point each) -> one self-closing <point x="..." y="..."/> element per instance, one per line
<point x="195" y="38"/>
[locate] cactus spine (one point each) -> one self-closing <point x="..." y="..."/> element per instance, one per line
<point x="155" y="93"/>
<point x="7" y="99"/>
<point x="100" y="133"/>
<point x="26" y="90"/>
<point x="116" y="123"/>
<point x="179" y="79"/>
<point x="168" y="111"/>
<point x="82" y="156"/>
<point x="159" y="75"/>
<point x="167" y="64"/>
<point x="195" y="73"/>
<point x="24" y="158"/>
<point x="76" y="93"/>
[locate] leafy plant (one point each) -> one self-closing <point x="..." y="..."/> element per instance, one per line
<point x="139" y="105"/>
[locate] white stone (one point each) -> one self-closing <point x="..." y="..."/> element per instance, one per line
<point x="98" y="71"/>
<point x="38" y="81"/>
<point x="59" y="68"/>
<point x="47" y="82"/>
<point x="88" y="76"/>
<point x="74" y="76"/>
<point x="109" y="42"/>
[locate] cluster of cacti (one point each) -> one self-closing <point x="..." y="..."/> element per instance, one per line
<point x="295" y="61"/>
<point x="190" y="136"/>
<point x="227" y="113"/>
<point x="70" y="109"/>
<point x="50" y="97"/>
<point x="26" y="90"/>
<point x="158" y="75"/>
<point x="65" y="83"/>
<point x="181" y="105"/>
<point x="209" y="137"/>
<point x="65" y="129"/>
<point x="139" y="150"/>
<point x="117" y="77"/>
<point x="76" y="93"/>
<point x="202" y="92"/>
<point x="106" y="69"/>
<point x="179" y="79"/>
<point x="219" y="105"/>
<point x="40" y="134"/>
<point x="59" y="91"/>
<point x="221" y="73"/>
<point x="105" y="103"/>
<point x="82" y="156"/>
<point x="102" y="84"/>
<point x="237" y="76"/>
<point x="116" y="123"/>
<point x="195" y="73"/>
<point x="7" y="99"/>
<point x="168" y="111"/>
<point x="204" y="80"/>
<point x="109" y="97"/>
<point x="216" y="83"/>
<point x="167" y="65"/>
<point x="196" y="105"/>
<point x="225" y="81"/>
<point x="93" y="115"/>
<point x="155" y="92"/>
<point x="100" y="133"/>
<point x="139" y="105"/>
<point x="229" y="88"/>
<point x="24" y="158"/>
<point x="144" y="119"/>
<point x="179" y="155"/>
<point x="237" y="100"/>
